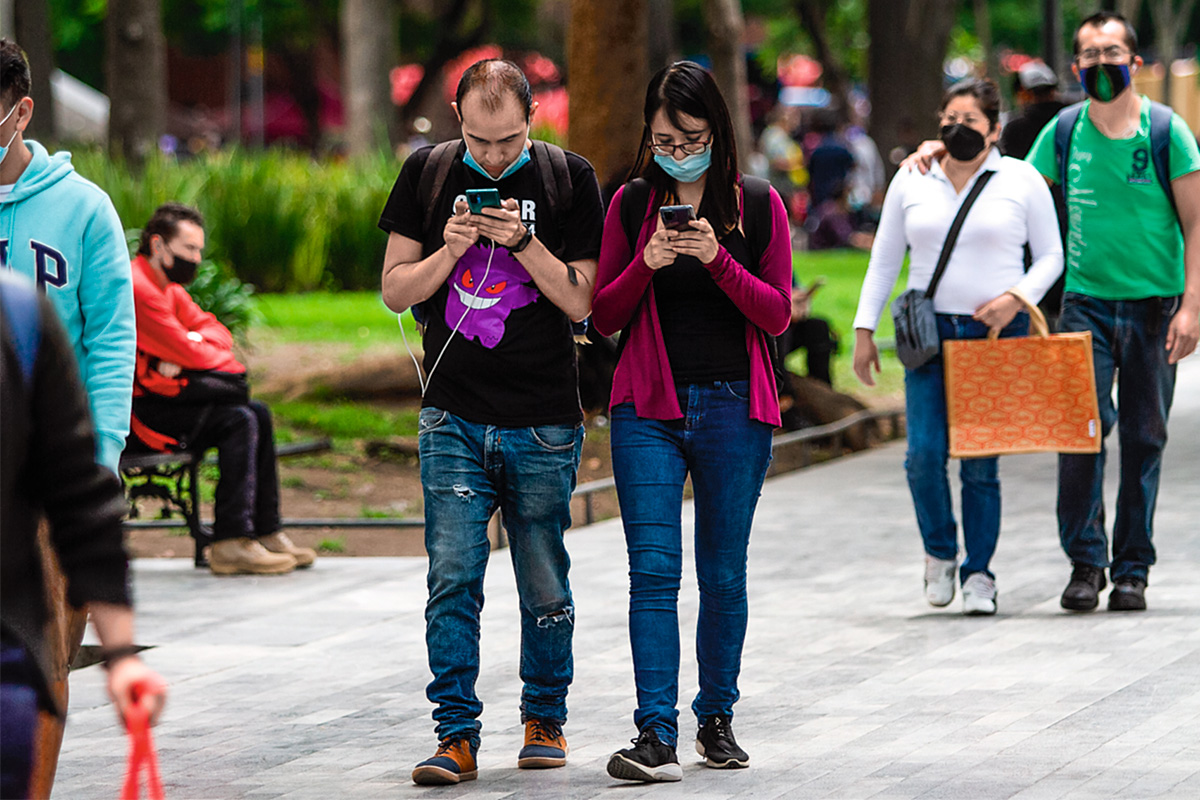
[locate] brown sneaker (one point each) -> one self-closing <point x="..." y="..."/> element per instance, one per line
<point x="278" y="542"/>
<point x="545" y="745"/>
<point x="244" y="556"/>
<point x="453" y="762"/>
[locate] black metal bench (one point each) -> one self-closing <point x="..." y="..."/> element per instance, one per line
<point x="174" y="479"/>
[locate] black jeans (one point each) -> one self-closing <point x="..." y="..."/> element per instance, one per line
<point x="247" y="501"/>
<point x="815" y="336"/>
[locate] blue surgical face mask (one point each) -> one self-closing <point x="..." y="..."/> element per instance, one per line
<point x="521" y="161"/>
<point x="4" y="149"/>
<point x="689" y="169"/>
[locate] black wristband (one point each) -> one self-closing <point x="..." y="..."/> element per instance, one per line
<point x="108" y="657"/>
<point x="525" y="240"/>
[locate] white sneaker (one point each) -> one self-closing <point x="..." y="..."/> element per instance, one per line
<point x="979" y="595"/>
<point x="939" y="580"/>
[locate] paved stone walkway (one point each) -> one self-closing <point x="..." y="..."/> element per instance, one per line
<point x="311" y="685"/>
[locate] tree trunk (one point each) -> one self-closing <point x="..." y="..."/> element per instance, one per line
<point x="32" y="32"/>
<point x="1171" y="19"/>
<point x="452" y="40"/>
<point x="983" y="29"/>
<point x="663" y="37"/>
<point x="368" y="53"/>
<point x="908" y="45"/>
<point x="137" y="77"/>
<point x="606" y="60"/>
<point x="812" y="16"/>
<point x="725" y="30"/>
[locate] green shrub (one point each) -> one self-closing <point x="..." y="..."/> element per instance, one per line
<point x="279" y="220"/>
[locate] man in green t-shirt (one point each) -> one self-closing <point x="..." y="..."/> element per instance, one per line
<point x="1133" y="280"/>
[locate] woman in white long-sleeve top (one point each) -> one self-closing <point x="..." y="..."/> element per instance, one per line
<point x="978" y="292"/>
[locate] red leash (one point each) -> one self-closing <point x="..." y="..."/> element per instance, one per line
<point x="142" y="754"/>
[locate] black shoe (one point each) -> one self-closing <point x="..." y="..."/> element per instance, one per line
<point x="1128" y="594"/>
<point x="715" y="742"/>
<point x="648" y="760"/>
<point x="1083" y="592"/>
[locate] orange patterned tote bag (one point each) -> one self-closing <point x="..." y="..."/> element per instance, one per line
<point x="1031" y="394"/>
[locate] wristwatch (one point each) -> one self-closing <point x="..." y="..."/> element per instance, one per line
<point x="525" y="240"/>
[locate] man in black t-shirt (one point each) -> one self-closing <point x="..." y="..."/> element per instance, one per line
<point x="500" y="424"/>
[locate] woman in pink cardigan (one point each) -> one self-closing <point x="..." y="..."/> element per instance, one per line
<point x="694" y="392"/>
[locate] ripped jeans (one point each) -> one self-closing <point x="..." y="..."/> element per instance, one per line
<point x="468" y="470"/>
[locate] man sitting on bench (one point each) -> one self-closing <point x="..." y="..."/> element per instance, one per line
<point x="190" y="394"/>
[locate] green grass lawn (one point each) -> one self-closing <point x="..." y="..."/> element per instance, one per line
<point x="359" y="317"/>
<point x="837" y="301"/>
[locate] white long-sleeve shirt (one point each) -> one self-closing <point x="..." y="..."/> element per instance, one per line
<point x="988" y="259"/>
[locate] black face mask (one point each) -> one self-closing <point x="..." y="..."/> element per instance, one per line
<point x="182" y="271"/>
<point x="961" y="142"/>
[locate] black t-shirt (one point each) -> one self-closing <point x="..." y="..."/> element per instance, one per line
<point x="512" y="361"/>
<point x="703" y="331"/>
<point x="1019" y="133"/>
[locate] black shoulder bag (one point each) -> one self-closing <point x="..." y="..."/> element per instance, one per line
<point x="912" y="312"/>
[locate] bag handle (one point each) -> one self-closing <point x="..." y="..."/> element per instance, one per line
<point x="1036" y="318"/>
<point x="955" y="227"/>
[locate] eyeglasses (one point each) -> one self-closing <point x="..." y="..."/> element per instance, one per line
<point x="970" y="120"/>
<point x="687" y="148"/>
<point x="1109" y="55"/>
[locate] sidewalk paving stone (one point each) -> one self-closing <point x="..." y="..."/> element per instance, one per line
<point x="311" y="685"/>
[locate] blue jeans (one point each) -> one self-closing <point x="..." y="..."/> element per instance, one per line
<point x="929" y="450"/>
<point x="19" y="713"/>
<point x="727" y="454"/>
<point x="468" y="470"/>
<point x="1129" y="337"/>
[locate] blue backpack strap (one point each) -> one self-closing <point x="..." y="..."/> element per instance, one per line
<point x="20" y="303"/>
<point x="1160" y="148"/>
<point x="1064" y="129"/>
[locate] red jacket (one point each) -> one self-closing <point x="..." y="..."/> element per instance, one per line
<point x="166" y="317"/>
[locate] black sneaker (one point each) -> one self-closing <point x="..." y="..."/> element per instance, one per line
<point x="648" y="760"/>
<point x="1083" y="592"/>
<point x="1128" y="594"/>
<point x="715" y="742"/>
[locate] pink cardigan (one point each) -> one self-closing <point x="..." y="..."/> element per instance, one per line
<point x="624" y="297"/>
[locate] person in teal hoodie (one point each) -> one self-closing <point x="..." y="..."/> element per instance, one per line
<point x="62" y="231"/>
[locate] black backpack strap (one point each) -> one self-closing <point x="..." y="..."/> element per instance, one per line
<point x="1160" y="148"/>
<point x="1064" y="129"/>
<point x="433" y="179"/>
<point x="557" y="189"/>
<point x="633" y="210"/>
<point x="955" y="227"/>
<point x="756" y="217"/>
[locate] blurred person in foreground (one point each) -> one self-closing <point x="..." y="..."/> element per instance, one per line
<point x="47" y="467"/>
<point x="191" y="394"/>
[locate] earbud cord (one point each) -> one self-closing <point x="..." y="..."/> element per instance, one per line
<point x="424" y="382"/>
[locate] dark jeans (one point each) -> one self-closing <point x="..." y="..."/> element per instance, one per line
<point x="19" y="715"/>
<point x="727" y="454"/>
<point x="468" y="470"/>
<point x="1128" y="338"/>
<point x="929" y="451"/>
<point x="247" y="502"/>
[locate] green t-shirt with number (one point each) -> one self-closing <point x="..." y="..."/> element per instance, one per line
<point x="1123" y="237"/>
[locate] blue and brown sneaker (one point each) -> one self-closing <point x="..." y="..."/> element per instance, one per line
<point x="545" y="745"/>
<point x="453" y="762"/>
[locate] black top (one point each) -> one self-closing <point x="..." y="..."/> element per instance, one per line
<point x="48" y="465"/>
<point x="512" y="361"/>
<point x="703" y="331"/>
<point x="1020" y="132"/>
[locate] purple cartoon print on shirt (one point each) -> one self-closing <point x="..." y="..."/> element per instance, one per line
<point x="506" y="290"/>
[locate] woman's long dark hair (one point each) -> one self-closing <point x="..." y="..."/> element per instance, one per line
<point x="687" y="88"/>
